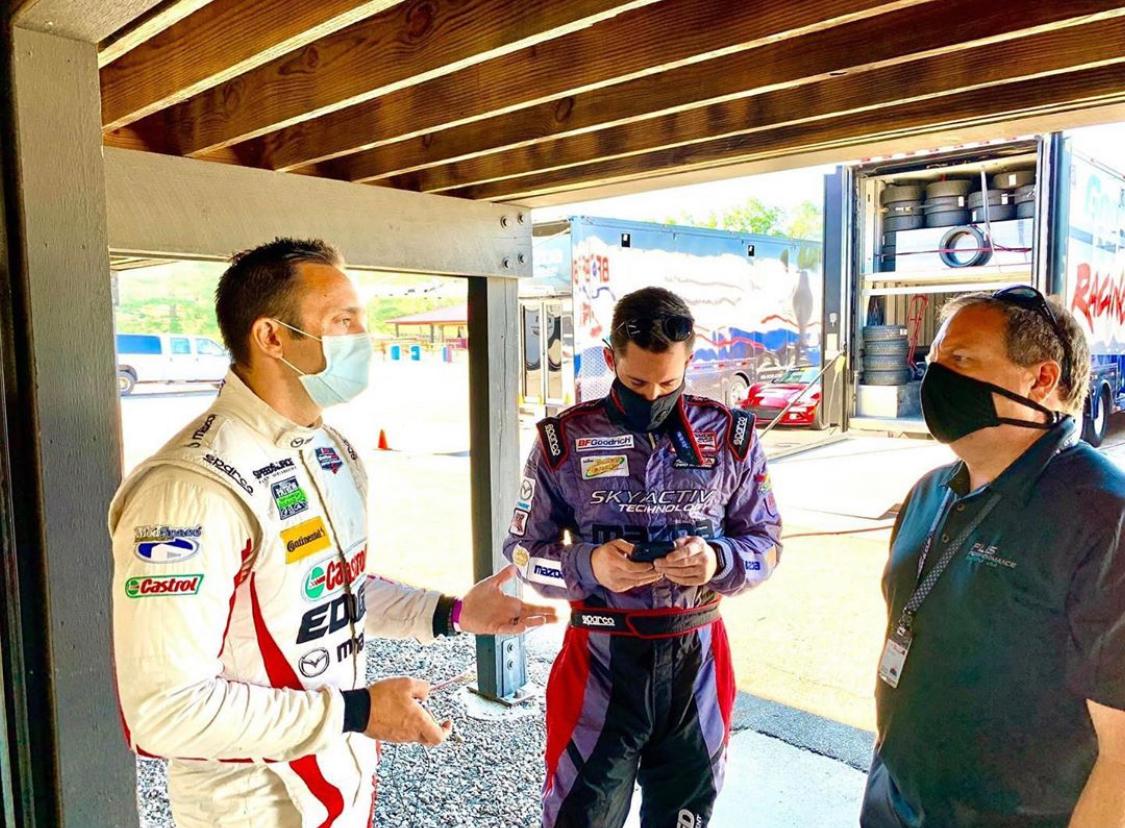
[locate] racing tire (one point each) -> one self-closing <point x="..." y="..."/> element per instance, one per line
<point x="900" y="377"/>
<point x="998" y="212"/>
<point x="1095" y="428"/>
<point x="1012" y="180"/>
<point x="126" y="382"/>
<point x="736" y="390"/>
<point x="897" y="223"/>
<point x="946" y="218"/>
<point x="900" y="192"/>
<point x="883" y="333"/>
<point x="949" y="188"/>
<point x="895" y="348"/>
<point x="983" y="248"/>
<point x="890" y="362"/>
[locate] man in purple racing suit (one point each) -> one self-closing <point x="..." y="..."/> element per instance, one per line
<point x="643" y="687"/>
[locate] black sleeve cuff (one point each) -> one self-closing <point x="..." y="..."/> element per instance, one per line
<point x="357" y="710"/>
<point x="443" y="617"/>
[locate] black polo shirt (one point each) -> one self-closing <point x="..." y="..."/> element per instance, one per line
<point x="989" y="724"/>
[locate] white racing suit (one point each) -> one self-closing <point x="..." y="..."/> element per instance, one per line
<point x="240" y="607"/>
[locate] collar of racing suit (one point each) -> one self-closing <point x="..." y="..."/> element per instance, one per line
<point x="261" y="416"/>
<point x="677" y="427"/>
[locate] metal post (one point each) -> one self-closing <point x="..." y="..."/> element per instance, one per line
<point x="494" y="463"/>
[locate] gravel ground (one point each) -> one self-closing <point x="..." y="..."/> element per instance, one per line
<point x="488" y="773"/>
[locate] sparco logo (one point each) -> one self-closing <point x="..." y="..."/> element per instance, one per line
<point x="553" y="440"/>
<point x="686" y="819"/>
<point x="273" y="468"/>
<point x="740" y="430"/>
<point x="598" y="621"/>
<point x="154" y="586"/>
<point x="230" y="471"/>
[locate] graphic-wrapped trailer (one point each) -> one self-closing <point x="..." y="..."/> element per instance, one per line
<point x="906" y="235"/>
<point x="756" y="300"/>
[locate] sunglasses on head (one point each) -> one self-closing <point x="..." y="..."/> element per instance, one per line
<point x="674" y="328"/>
<point x="1028" y="298"/>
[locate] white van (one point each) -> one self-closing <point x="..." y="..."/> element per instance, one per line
<point x="168" y="358"/>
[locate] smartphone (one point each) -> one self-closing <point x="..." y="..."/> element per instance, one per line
<point x="649" y="552"/>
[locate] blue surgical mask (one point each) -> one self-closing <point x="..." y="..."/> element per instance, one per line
<point x="347" y="363"/>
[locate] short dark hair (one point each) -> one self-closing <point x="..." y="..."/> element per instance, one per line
<point x="647" y="304"/>
<point x="1029" y="338"/>
<point x="259" y="282"/>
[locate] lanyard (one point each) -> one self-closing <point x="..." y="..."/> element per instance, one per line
<point x="926" y="585"/>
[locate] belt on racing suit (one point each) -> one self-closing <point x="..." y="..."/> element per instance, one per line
<point x="655" y="623"/>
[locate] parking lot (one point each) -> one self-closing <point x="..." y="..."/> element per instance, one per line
<point x="808" y="638"/>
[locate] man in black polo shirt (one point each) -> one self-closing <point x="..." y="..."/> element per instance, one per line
<point x="1002" y="681"/>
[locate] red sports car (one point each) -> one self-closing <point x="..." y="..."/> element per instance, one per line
<point x="768" y="399"/>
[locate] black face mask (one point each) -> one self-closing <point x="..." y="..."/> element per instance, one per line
<point x="955" y="405"/>
<point x="642" y="414"/>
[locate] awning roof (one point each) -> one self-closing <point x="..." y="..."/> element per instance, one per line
<point x="516" y="100"/>
<point x="457" y="315"/>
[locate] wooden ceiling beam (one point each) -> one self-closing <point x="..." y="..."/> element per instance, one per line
<point x="737" y="75"/>
<point x="1096" y="87"/>
<point x="217" y="43"/>
<point x="90" y="21"/>
<point x="405" y="44"/>
<point x="667" y="34"/>
<point x="1076" y="47"/>
<point x="160" y="17"/>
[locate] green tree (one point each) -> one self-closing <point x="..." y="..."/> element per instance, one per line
<point x="755" y="216"/>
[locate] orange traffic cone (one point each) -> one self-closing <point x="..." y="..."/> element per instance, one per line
<point x="383" y="445"/>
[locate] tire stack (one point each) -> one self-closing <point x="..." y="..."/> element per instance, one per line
<point x="884" y="355"/>
<point x="945" y="202"/>
<point x="902" y="210"/>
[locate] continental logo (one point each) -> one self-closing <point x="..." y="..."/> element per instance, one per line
<point x="305" y="539"/>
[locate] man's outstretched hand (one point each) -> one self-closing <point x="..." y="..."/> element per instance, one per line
<point x="397" y="714"/>
<point x="487" y="610"/>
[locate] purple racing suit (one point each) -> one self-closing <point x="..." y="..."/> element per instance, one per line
<point x="643" y="688"/>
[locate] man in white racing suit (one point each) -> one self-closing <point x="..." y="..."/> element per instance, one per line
<point x="241" y="599"/>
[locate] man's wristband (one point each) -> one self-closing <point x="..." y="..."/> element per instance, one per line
<point x="357" y="710"/>
<point x="447" y="616"/>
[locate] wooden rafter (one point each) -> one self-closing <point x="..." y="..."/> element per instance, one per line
<point x="219" y="42"/>
<point x="1100" y="86"/>
<point x="1072" y="48"/>
<point x="160" y="17"/>
<point x="645" y="41"/>
<point x="403" y="45"/>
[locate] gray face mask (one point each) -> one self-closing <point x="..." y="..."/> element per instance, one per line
<point x="347" y="365"/>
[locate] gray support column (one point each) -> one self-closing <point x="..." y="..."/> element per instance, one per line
<point x="62" y="233"/>
<point x="494" y="465"/>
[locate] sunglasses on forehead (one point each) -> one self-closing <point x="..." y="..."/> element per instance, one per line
<point x="1028" y="298"/>
<point x="674" y="328"/>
